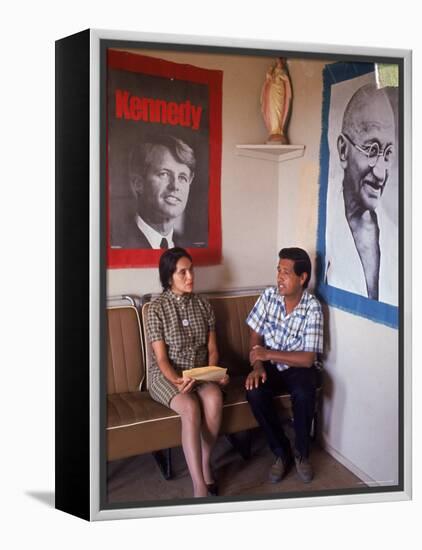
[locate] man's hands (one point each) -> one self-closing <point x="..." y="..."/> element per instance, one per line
<point x="255" y="376"/>
<point x="257" y="353"/>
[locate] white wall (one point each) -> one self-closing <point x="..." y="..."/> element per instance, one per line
<point x="360" y="415"/>
<point x="360" y="412"/>
<point x="248" y="188"/>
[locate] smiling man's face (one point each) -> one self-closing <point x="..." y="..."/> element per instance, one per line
<point x="165" y="187"/>
<point x="372" y="123"/>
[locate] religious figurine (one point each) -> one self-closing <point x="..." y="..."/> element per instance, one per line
<point x="276" y="101"/>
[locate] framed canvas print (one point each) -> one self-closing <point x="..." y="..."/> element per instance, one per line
<point x="233" y="301"/>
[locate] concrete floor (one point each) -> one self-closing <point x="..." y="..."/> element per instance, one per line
<point x="136" y="480"/>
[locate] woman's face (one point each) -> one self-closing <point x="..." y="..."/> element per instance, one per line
<point x="182" y="279"/>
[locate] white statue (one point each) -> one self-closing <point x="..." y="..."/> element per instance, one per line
<point x="276" y="100"/>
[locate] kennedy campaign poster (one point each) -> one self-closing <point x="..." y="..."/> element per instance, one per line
<point x="163" y="160"/>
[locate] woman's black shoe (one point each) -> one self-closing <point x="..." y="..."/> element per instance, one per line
<point x="212" y="489"/>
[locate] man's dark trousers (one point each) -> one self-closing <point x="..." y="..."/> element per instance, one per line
<point x="301" y="383"/>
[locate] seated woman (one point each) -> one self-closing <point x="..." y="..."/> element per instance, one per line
<point x="181" y="329"/>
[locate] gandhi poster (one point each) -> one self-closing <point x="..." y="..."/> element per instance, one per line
<point x="359" y="193"/>
<point x="164" y="151"/>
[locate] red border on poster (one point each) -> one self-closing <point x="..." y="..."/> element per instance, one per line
<point x="133" y="258"/>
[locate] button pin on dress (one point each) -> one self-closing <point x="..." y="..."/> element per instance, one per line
<point x="185" y="322"/>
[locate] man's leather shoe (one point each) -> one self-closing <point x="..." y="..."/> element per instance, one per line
<point x="304" y="469"/>
<point x="278" y="470"/>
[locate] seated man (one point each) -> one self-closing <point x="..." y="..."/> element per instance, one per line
<point x="286" y="335"/>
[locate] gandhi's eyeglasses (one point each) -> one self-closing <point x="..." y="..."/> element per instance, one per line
<point x="373" y="151"/>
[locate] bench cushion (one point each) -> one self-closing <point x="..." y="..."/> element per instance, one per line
<point x="137" y="424"/>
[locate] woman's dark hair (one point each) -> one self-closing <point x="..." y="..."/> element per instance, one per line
<point x="168" y="262"/>
<point x="302" y="262"/>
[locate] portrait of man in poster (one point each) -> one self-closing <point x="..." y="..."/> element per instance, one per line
<point x="161" y="172"/>
<point x="362" y="196"/>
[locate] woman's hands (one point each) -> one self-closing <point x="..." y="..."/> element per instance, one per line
<point x="224" y="381"/>
<point x="184" y="385"/>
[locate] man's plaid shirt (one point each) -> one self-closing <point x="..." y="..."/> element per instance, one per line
<point x="301" y="330"/>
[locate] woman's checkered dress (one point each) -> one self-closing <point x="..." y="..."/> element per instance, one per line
<point x="183" y="323"/>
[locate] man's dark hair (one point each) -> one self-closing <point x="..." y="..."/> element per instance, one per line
<point x="168" y="262"/>
<point x="302" y="262"/>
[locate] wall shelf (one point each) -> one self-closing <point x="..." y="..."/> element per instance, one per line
<point x="274" y="153"/>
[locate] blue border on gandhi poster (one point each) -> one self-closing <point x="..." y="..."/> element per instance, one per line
<point x="354" y="303"/>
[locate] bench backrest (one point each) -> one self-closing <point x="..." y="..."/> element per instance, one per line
<point x="232" y="332"/>
<point x="125" y="352"/>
